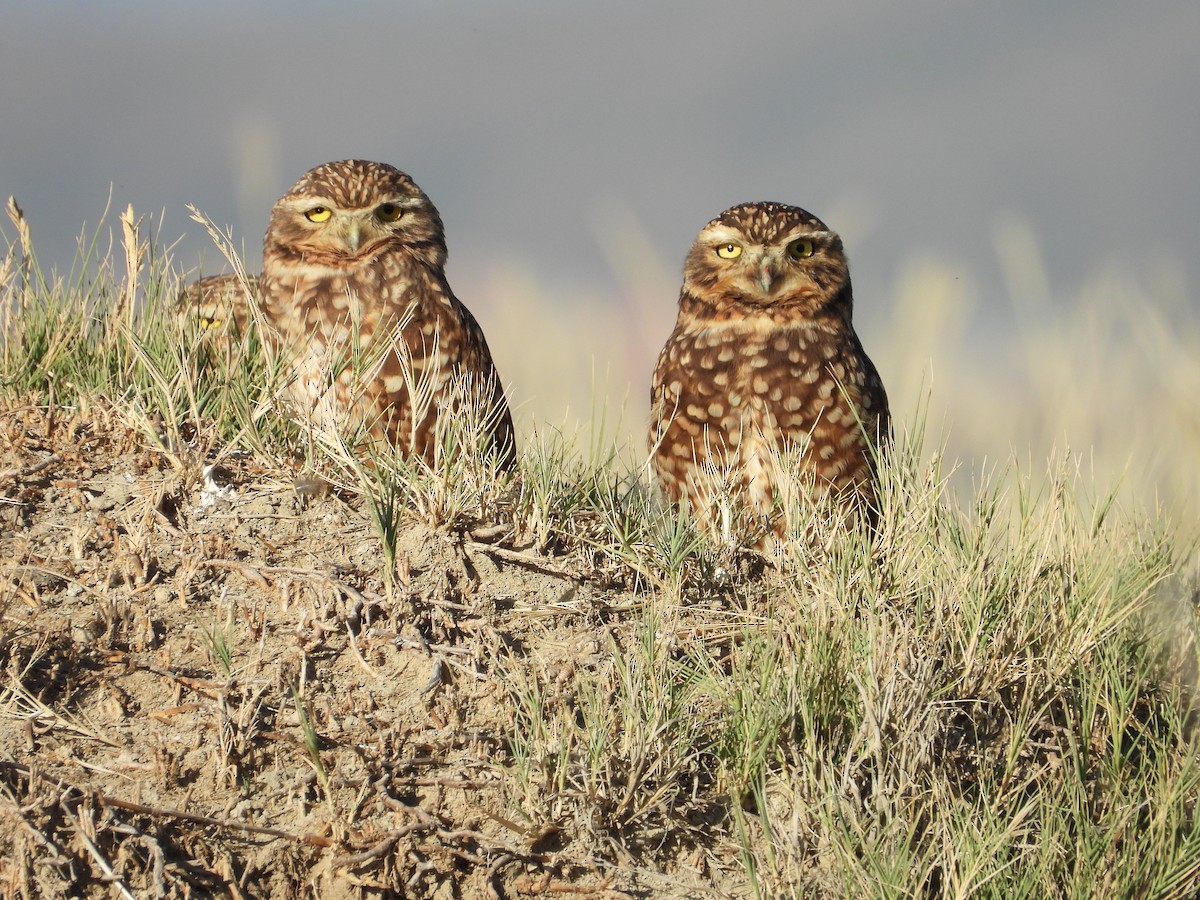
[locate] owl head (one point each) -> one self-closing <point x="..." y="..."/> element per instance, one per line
<point x="217" y="302"/>
<point x="343" y="215"/>
<point x="769" y="257"/>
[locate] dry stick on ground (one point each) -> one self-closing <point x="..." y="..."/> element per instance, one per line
<point x="14" y="474"/>
<point x="536" y="563"/>
<point x="204" y="687"/>
<point x="525" y="884"/>
<point x="425" y="822"/>
<point x="77" y="794"/>
<point x="154" y="850"/>
<point x="98" y="857"/>
<point x="57" y="857"/>
<point x="313" y="840"/>
<point x="256" y="573"/>
<point x="34" y="708"/>
<point x="383" y="847"/>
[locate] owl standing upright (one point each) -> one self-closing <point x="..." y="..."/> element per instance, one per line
<point x="355" y="297"/>
<point x="763" y="382"/>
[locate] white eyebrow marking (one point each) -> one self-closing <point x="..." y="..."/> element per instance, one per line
<point x="810" y="235"/>
<point x="722" y="234"/>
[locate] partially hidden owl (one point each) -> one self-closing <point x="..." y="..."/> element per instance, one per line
<point x="219" y="304"/>
<point x="764" y="384"/>
<point x="355" y="299"/>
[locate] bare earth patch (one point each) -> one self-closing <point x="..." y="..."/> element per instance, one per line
<point x="209" y="689"/>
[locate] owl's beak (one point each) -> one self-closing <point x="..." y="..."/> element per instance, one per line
<point x="766" y="274"/>
<point x="353" y="236"/>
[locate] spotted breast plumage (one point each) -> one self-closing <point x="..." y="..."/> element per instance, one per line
<point x="764" y="379"/>
<point x="355" y="297"/>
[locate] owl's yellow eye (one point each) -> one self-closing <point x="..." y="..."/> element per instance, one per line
<point x="318" y="214"/>
<point x="388" y="212"/>
<point x="729" y="251"/>
<point x="801" y="249"/>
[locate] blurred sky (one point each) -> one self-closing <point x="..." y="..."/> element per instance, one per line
<point x="577" y="148"/>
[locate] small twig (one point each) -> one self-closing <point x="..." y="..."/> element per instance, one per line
<point x="420" y="869"/>
<point x="102" y="862"/>
<point x="524" y="884"/>
<point x="436" y="678"/>
<point x="427" y="648"/>
<point x="471" y="671"/>
<point x="155" y="850"/>
<point x="32" y="707"/>
<point x="494" y="870"/>
<point x="256" y="574"/>
<point x="529" y="561"/>
<point x="358" y="653"/>
<point x="313" y="840"/>
<point x="78" y="794"/>
<point x="383" y="847"/>
<point x="11" y="474"/>
<point x="57" y="857"/>
<point x="349" y="590"/>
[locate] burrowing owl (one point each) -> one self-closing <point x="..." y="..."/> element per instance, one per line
<point x="355" y="296"/>
<point x="219" y="303"/>
<point x="763" y="375"/>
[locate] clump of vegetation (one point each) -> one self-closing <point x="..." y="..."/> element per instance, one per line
<point x="429" y="679"/>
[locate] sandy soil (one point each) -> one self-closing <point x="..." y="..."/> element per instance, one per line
<point x="165" y="635"/>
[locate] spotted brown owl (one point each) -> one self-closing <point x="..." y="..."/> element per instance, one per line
<point x="355" y="297"/>
<point x="763" y="383"/>
<point x="219" y="304"/>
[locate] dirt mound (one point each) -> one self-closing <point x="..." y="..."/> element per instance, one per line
<point x="210" y="688"/>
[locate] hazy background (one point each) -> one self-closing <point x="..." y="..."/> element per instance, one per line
<point x="1015" y="181"/>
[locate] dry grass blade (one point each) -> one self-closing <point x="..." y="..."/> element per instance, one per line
<point x="18" y="702"/>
